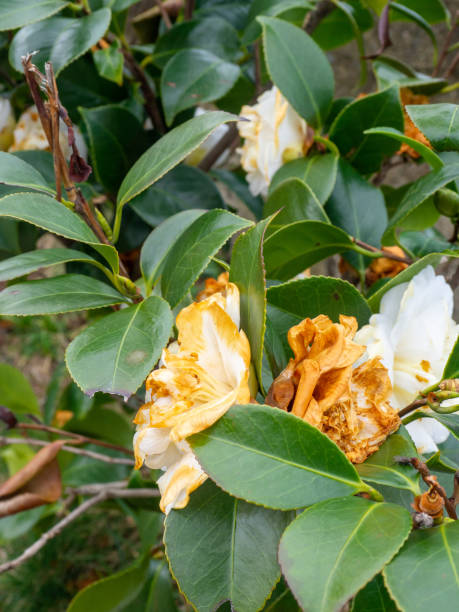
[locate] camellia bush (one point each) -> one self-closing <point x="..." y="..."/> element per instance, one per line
<point x="262" y="376"/>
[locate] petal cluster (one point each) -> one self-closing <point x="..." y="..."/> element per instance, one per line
<point x="202" y="375"/>
<point x="322" y="386"/>
<point x="414" y="334"/>
<point x="273" y="134"/>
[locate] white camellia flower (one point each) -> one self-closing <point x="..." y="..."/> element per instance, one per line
<point x="7" y="123"/>
<point x="29" y="135"/>
<point x="414" y="334"/>
<point x="273" y="135"/>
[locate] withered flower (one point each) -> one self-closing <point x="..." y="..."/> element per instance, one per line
<point x="408" y="97"/>
<point x="213" y="285"/>
<point x="430" y="502"/>
<point x="383" y="267"/>
<point x="322" y="386"/>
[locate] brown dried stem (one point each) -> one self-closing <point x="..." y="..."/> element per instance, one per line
<point x="446" y="45"/>
<point x="417" y="403"/>
<point x="227" y="140"/>
<point x="104" y="493"/>
<point x="313" y="18"/>
<point x="164" y="14"/>
<point x="386" y="254"/>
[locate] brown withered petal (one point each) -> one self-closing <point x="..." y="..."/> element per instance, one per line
<point x="213" y="285"/>
<point x="79" y="169"/>
<point x="309" y="371"/>
<point x="430" y="502"/>
<point x="282" y="389"/>
<point x="7" y="417"/>
<point x="384" y="267"/>
<point x="37" y="483"/>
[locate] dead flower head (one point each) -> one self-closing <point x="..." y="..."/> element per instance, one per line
<point x="430" y="502"/>
<point x="408" y="97"/>
<point x="383" y="267"/>
<point x="321" y="385"/>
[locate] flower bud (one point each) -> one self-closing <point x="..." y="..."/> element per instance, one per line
<point x="430" y="502"/>
<point x="7" y="123"/>
<point x="447" y="202"/>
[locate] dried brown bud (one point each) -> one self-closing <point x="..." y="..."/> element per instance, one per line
<point x="282" y="390"/>
<point x="7" y="417"/>
<point x="450" y="385"/>
<point x="79" y="168"/>
<point x="430" y="502"/>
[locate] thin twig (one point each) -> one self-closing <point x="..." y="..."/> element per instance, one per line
<point x="446" y="46"/>
<point x="104" y="494"/>
<point x="189" y="8"/>
<point x="4" y="441"/>
<point x="71" y="434"/>
<point x="313" y="18"/>
<point x="220" y="147"/>
<point x="382" y="253"/>
<point x="452" y="66"/>
<point x="418" y="403"/>
<point x="164" y="14"/>
<point x="151" y="103"/>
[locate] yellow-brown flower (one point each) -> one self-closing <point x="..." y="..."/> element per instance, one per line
<point x="321" y="385"/>
<point x="383" y="267"/>
<point x="408" y="97"/>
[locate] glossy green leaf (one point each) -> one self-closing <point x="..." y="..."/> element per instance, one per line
<point x="426" y="570"/>
<point x="58" y="294"/>
<point x="16" y="13"/>
<point x="398" y="8"/>
<point x="102" y="422"/>
<point x="194" y="34"/>
<point x="270" y="457"/>
<point x="199" y="242"/>
<point x="52" y="216"/>
<point x="299" y="68"/>
<point x="270" y="8"/>
<point x="15" y="171"/>
<point x="403" y="277"/>
<point x="293" y="200"/>
<point x="450" y="421"/>
<point x="28" y="262"/>
<point x="433" y="11"/>
<point x="161" y="593"/>
<point x="452" y="365"/>
<point x="248" y="273"/>
<point x="238" y="185"/>
<point x="336" y="29"/>
<point x="281" y="600"/>
<point x="296" y="247"/>
<point x="16" y="392"/>
<point x="159" y="243"/>
<point x="116" y="139"/>
<point x="366" y="151"/>
<point x="109" y="63"/>
<point x="116" y="353"/>
<point x="389" y="71"/>
<point x="195" y="76"/>
<point x="236" y="557"/>
<point x="332" y="549"/>
<point x="182" y="188"/>
<point x="419" y="191"/>
<point x="310" y="297"/>
<point x="169" y="151"/>
<point x="60" y="40"/>
<point x="374" y="598"/>
<point x="423" y="243"/>
<point x="114" y="592"/>
<point x="427" y="154"/>
<point x="317" y="171"/>
<point x="439" y="123"/>
<point x="380" y="468"/>
<point x="357" y="207"/>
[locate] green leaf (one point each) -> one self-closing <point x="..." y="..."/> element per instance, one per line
<point x="427" y="154"/>
<point x="310" y="297"/>
<point x="238" y="185"/>
<point x="295" y="201"/>
<point x="15" y="171"/>
<point x="317" y="171"/>
<point x="380" y="468"/>
<point x="236" y="557"/>
<point x="116" y="353"/>
<point x="374" y="598"/>
<point x="198" y="243"/>
<point x="296" y="247"/>
<point x="104" y="423"/>
<point x="403" y="277"/>
<point x="195" y="76"/>
<point x="452" y="365"/>
<point x="423" y="243"/>
<point x="116" y="139"/>
<point x="34" y="260"/>
<point x="21" y="12"/>
<point x="114" y="592"/>
<point x="270" y="8"/>
<point x="248" y="273"/>
<point x="194" y="34"/>
<point x="357" y="207"/>
<point x="366" y="151"/>
<point x="324" y="553"/>
<point x="60" y="40"/>
<point x="412" y="15"/>
<point x="182" y="188"/>
<point x="433" y="11"/>
<point x="389" y="71"/>
<point x="419" y="191"/>
<point x="426" y="570"/>
<point x="52" y="216"/>
<point x="299" y="68"/>
<point x="58" y="294"/>
<point x="16" y="392"/>
<point x="336" y="29"/>
<point x="168" y="152"/>
<point x="439" y="123"/>
<point x="161" y="593"/>
<point x="109" y="63"/>
<point x="159" y="243"/>
<point x="270" y="457"/>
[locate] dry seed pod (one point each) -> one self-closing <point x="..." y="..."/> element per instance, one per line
<point x="430" y="502"/>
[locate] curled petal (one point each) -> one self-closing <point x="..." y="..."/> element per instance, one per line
<point x="179" y="481"/>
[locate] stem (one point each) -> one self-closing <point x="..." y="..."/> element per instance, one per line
<point x="418" y="403"/>
<point x="71" y="434"/>
<point x="313" y="18"/>
<point x="151" y="104"/>
<point x="164" y="14"/>
<point x="371" y="251"/>
<point x="446" y="45"/>
<point x="189" y="8"/>
<point x="227" y="140"/>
